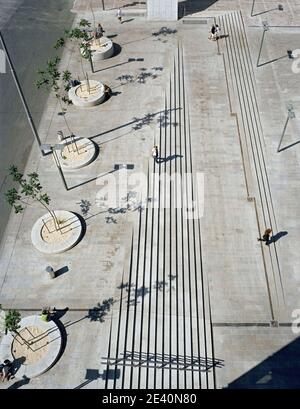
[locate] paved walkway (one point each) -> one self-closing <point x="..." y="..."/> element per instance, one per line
<point x="185" y="303"/>
<point x="161" y="331"/>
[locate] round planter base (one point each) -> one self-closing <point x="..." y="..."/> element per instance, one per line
<point x="102" y="49"/>
<point x="46" y="238"/>
<point x="85" y="95"/>
<point x="42" y="351"/>
<point x="77" y="156"/>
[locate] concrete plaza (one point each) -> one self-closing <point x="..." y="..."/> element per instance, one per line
<point x="157" y="300"/>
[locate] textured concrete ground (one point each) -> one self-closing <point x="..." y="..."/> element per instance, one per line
<point x="22" y="24"/>
<point x="240" y="301"/>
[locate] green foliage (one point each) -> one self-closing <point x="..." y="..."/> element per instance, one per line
<point x="29" y="188"/>
<point x="76" y="34"/>
<point x="84" y="23"/>
<point x="81" y="35"/>
<point x="49" y="77"/>
<point x="50" y="80"/>
<point x="66" y="76"/>
<point x="12" y="319"/>
<point x="59" y="43"/>
<point x="86" y="51"/>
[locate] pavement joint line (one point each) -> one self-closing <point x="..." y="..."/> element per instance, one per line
<point x="40" y="309"/>
<point x="251" y="324"/>
<point x="275" y="26"/>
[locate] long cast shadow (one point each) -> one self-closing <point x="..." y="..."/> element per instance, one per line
<point x="288" y="146"/>
<point x="188" y="7"/>
<point x="280" y="370"/>
<point x="117" y="51"/>
<point x="277" y="236"/>
<point x="84" y="183"/>
<point x="275" y="59"/>
<point x="135" y="41"/>
<point x="122" y="63"/>
<point x="135" y="120"/>
<point x="263" y="12"/>
<point x="139" y="123"/>
<point x="112" y="66"/>
<point x="168" y="158"/>
<point x="20" y="383"/>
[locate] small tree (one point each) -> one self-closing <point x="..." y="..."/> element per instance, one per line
<point x="53" y="80"/>
<point x="80" y="35"/>
<point x="12" y="320"/>
<point x="58" y="82"/>
<point x="30" y="189"/>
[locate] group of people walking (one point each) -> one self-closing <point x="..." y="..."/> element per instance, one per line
<point x="6" y="370"/>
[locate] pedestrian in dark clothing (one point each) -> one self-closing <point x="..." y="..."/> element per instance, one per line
<point x="266" y="236"/>
<point x="107" y="91"/>
<point x="6" y="370"/>
<point x="212" y="35"/>
<point x="99" y="31"/>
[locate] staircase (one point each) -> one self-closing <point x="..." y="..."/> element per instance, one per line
<point x="244" y="105"/>
<point x="161" y="331"/>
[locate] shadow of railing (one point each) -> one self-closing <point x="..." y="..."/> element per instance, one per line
<point x="271" y="61"/>
<point x="165" y="361"/>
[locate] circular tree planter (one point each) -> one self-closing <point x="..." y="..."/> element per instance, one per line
<point x="101" y="49"/>
<point x="76" y="156"/>
<point x="87" y="96"/>
<point x="40" y="351"/>
<point x="48" y="239"/>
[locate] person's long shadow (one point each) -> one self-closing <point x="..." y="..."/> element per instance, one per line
<point x="18" y="384"/>
<point x="277" y="236"/>
<point x="222" y="36"/>
<point x="57" y="314"/>
<point x="16" y="365"/>
<point x="168" y="158"/>
<point x="128" y="20"/>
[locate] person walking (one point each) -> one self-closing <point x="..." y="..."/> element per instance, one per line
<point x="107" y="91"/>
<point x="99" y="31"/>
<point x="155" y="153"/>
<point x="212" y="35"/>
<point x="6" y="370"/>
<point x="266" y="236"/>
<point x="119" y="15"/>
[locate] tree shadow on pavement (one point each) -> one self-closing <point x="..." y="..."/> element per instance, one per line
<point x="99" y="312"/>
